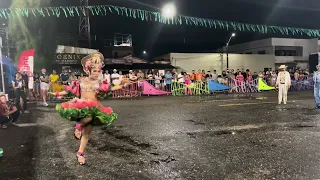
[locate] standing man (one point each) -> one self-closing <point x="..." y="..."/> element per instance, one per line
<point x="44" y="86"/>
<point x="64" y="77"/>
<point x="283" y="82"/>
<point x="316" y="80"/>
<point x="25" y="77"/>
<point x="115" y="77"/>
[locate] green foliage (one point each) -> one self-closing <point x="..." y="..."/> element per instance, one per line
<point x="37" y="33"/>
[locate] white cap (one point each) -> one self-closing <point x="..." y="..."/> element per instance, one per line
<point x="114" y="70"/>
<point x="130" y="71"/>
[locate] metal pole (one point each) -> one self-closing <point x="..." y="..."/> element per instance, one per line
<point x="227" y="46"/>
<point x="227" y="58"/>
<point x="2" y="73"/>
<point x="8" y="43"/>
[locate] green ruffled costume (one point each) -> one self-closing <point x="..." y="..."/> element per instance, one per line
<point x="100" y="115"/>
<point x="76" y="109"/>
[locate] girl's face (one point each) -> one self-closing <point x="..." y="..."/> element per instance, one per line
<point x="95" y="73"/>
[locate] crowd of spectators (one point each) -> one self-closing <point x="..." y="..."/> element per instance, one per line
<point x="33" y="86"/>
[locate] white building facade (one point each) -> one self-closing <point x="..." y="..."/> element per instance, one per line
<point x="216" y="61"/>
<point x="291" y="52"/>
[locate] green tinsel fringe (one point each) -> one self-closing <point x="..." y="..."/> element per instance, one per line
<point x="105" y="10"/>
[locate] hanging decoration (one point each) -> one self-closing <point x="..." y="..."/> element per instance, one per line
<point x="104" y="10"/>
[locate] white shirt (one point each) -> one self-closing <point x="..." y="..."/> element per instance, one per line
<point x="107" y="77"/>
<point x="284" y="78"/>
<point x="215" y="77"/>
<point x="157" y="79"/>
<point x="31" y="82"/>
<point x="180" y="78"/>
<point x="115" y="81"/>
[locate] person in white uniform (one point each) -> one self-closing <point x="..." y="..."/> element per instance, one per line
<point x="284" y="83"/>
<point x="115" y="77"/>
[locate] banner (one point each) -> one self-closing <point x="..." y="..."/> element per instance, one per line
<point x="26" y="61"/>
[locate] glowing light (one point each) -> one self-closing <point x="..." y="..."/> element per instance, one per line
<point x="169" y="10"/>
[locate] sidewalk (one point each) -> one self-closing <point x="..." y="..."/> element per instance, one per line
<point x="18" y="145"/>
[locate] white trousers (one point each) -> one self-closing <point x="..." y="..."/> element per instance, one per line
<point x="283" y="92"/>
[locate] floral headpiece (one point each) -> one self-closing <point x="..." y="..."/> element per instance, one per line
<point x="94" y="60"/>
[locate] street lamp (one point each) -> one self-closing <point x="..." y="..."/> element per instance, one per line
<point x="144" y="52"/>
<point x="169" y="10"/>
<point x="227" y="46"/>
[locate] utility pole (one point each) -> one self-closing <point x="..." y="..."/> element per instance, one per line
<point x="84" y="22"/>
<point x="227" y="47"/>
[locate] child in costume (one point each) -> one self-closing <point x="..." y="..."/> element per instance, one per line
<point x="87" y="110"/>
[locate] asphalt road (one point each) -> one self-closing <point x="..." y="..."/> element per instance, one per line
<point x="216" y="137"/>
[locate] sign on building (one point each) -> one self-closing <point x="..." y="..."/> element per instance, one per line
<point x="67" y="58"/>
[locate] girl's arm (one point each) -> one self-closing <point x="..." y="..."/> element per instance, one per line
<point x="62" y="93"/>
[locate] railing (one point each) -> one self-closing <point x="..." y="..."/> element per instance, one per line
<point x="160" y="87"/>
<point x="244" y="86"/>
<point x="132" y="90"/>
<point x="303" y="84"/>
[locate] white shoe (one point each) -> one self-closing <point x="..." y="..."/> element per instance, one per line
<point x="45" y="104"/>
<point x="26" y="112"/>
<point x="285" y="103"/>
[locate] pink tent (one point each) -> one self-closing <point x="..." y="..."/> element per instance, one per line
<point x="148" y="89"/>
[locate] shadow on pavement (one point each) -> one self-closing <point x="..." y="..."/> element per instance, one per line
<point x="18" y="145"/>
<point x="25" y="154"/>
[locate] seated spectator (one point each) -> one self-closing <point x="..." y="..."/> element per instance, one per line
<point x="7" y="113"/>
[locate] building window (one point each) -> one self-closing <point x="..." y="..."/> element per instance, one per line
<point x="262" y="52"/>
<point x="288" y="51"/>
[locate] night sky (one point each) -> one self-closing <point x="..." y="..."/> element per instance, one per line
<point x="158" y="39"/>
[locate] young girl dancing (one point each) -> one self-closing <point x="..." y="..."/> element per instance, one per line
<point x="87" y="110"/>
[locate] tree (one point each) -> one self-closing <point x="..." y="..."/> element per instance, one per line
<point x="33" y="33"/>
